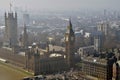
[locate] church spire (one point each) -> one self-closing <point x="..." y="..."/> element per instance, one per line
<point x="10" y="7"/>
<point x="70" y="24"/>
<point x="25" y="36"/>
<point x="69" y="27"/>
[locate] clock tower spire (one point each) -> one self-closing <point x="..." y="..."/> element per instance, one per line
<point x="70" y="45"/>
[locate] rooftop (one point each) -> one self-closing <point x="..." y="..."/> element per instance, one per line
<point x="95" y="60"/>
<point x="56" y="48"/>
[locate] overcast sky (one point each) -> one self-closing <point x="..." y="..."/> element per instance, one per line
<point x="61" y="4"/>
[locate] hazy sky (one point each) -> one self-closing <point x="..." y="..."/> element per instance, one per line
<point x="61" y="4"/>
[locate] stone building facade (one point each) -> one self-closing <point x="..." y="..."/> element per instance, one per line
<point x="70" y="45"/>
<point x="50" y="61"/>
<point x="11" y="29"/>
<point x="100" y="67"/>
<point x="44" y="64"/>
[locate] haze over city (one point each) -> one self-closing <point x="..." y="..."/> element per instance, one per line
<point x="59" y="39"/>
<point x="52" y="5"/>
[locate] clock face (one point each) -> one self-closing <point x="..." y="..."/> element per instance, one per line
<point x="66" y="38"/>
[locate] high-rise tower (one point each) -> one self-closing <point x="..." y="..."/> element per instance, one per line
<point x="11" y="28"/>
<point x="26" y="19"/>
<point x="70" y="45"/>
<point x="98" y="41"/>
<point x="103" y="27"/>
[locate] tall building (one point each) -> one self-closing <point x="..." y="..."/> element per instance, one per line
<point x="11" y="29"/>
<point x="26" y="19"/>
<point x="70" y="45"/>
<point x="103" y="27"/>
<point x="99" y="67"/>
<point x="98" y="41"/>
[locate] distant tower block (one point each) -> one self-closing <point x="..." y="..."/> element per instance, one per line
<point x="11" y="29"/>
<point x="26" y="19"/>
<point x="98" y="42"/>
<point x="103" y="27"/>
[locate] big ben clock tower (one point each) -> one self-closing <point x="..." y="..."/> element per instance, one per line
<point x="70" y="45"/>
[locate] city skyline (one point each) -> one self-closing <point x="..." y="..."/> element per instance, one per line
<point x="36" y="38"/>
<point x="59" y="5"/>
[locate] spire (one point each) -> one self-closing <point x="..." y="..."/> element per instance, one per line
<point x="69" y="27"/>
<point x="10" y="7"/>
<point x="24" y="28"/>
<point x="5" y="15"/>
<point x="70" y="24"/>
<point x="25" y="32"/>
<point x="25" y="36"/>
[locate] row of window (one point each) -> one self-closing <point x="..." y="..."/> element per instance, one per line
<point x="95" y="70"/>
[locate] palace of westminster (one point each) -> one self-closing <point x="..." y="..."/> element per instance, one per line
<point x="53" y="59"/>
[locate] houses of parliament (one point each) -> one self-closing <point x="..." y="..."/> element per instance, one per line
<point x="35" y="59"/>
<point x="49" y="60"/>
<point x="53" y="58"/>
